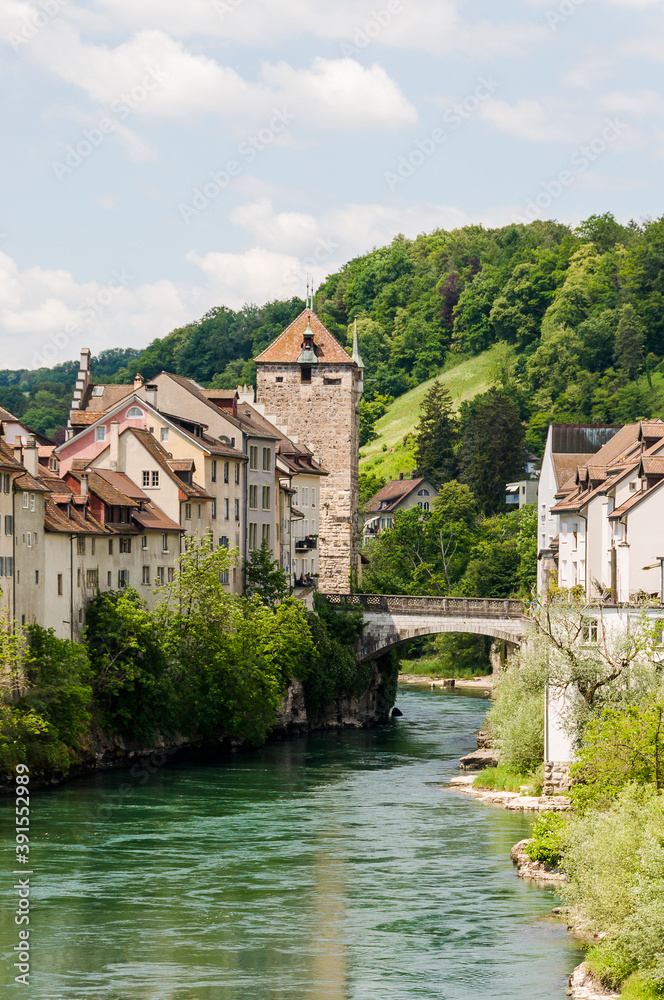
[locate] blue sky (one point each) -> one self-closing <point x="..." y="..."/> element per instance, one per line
<point x="161" y="157"/>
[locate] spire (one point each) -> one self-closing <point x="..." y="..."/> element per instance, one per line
<point x="308" y="355"/>
<point x="356" y="348"/>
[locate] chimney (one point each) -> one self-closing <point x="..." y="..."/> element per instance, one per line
<point x="31" y="457"/>
<point x="400" y="476"/>
<point x="138" y="381"/>
<point x="115" y="445"/>
<point x="18" y="451"/>
<point x="84" y="484"/>
<point x="413" y="475"/>
<point x="151" y="395"/>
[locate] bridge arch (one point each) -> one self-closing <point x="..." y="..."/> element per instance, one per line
<point x="391" y="621"/>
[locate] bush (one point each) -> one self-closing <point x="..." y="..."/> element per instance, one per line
<point x="516" y="718"/>
<point x="614" y="860"/>
<point x="548" y="841"/>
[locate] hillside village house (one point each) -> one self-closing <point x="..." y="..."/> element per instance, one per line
<point x="398" y="494"/>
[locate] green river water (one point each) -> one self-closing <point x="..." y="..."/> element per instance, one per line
<point x="331" y="867"/>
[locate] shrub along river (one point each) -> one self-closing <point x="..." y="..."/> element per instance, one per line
<point x="331" y="867"/>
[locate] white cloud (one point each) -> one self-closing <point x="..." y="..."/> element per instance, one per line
<point x="642" y="102"/>
<point x="526" y="119"/>
<point x="150" y="74"/>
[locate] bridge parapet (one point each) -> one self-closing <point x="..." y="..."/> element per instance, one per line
<point x="489" y="607"/>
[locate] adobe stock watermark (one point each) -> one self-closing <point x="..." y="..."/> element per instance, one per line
<point x="321" y="252"/>
<point x="224" y="7"/>
<point x="140" y="774"/>
<point x="36" y="20"/>
<point x="427" y="147"/>
<point x="92" y="139"/>
<point x="247" y="151"/>
<point x="368" y="32"/>
<point x="581" y="160"/>
<point x="562" y="13"/>
<point x="88" y="310"/>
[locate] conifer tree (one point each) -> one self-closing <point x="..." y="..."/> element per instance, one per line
<point x="436" y="436"/>
<point x="492" y="451"/>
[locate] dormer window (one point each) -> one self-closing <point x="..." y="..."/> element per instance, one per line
<point x="98" y="390"/>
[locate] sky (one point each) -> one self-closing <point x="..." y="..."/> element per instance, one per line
<point x="162" y="157"/>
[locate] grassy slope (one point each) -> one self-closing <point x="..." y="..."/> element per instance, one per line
<point x="464" y="381"/>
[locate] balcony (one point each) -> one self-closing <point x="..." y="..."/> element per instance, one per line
<point x="304" y="544"/>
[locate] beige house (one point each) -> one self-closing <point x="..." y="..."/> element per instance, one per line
<point x="398" y="494"/>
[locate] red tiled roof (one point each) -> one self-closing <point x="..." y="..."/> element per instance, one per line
<point x="392" y="493"/>
<point x="288" y="345"/>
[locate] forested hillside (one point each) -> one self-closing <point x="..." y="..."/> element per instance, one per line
<point x="581" y="313"/>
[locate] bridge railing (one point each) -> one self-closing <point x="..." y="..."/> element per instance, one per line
<point x="469" y="607"/>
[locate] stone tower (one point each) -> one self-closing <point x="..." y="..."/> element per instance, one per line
<point x="312" y="384"/>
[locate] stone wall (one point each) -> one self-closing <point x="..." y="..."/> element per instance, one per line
<point x="556" y="777"/>
<point x="324" y="414"/>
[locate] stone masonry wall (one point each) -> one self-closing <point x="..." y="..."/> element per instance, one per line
<point x="556" y="777"/>
<point x="324" y="415"/>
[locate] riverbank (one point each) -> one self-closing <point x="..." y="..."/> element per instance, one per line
<point x="513" y="801"/>
<point x="485" y="683"/>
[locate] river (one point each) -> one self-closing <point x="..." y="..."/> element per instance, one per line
<point x="331" y="867"/>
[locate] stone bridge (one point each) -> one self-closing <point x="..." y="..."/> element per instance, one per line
<point x="391" y="621"/>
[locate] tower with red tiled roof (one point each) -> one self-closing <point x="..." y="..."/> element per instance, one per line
<point x="312" y="384"/>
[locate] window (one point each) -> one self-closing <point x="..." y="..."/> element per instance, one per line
<point x="110" y="548"/>
<point x="109" y="579"/>
<point x="59" y="584"/>
<point x="35" y="539"/>
<point x="100" y="434"/>
<point x="161" y="577"/>
<point x="7" y="482"/>
<point x="214" y="508"/>
<point x="305" y="373"/>
<point x="78" y="577"/>
<point x="331" y="381"/>
<point x="213" y="470"/>
<point x="266" y="498"/>
<point x="155" y="478"/>
<point x="199" y="512"/>
<point x="305" y="496"/>
<point x="146" y="477"/>
<point x="123" y="578"/>
<point x="9" y="524"/>
<point x="145" y="580"/>
<point x="80" y="545"/>
<point x="253" y="535"/>
<point x="32" y="502"/>
<point x="253" y="498"/>
<point x="9" y="566"/>
<point x="144" y="542"/>
<point x="313" y="498"/>
<point x="237" y="509"/>
<point x="237" y="473"/>
<point x="226" y="468"/>
<point x="125" y="545"/>
<point x="164" y="542"/>
<point x="227" y="511"/>
<point x="265" y="534"/>
<point x="36" y="576"/>
<point x="224" y="542"/>
<point x="279" y="378"/>
<point x="589" y="631"/>
<point x="134" y="411"/>
<point x="26" y="501"/>
<point x="91" y="579"/>
<point x="253" y="458"/>
<point x="29" y="540"/>
<point x="171" y="574"/>
<point x="575" y="535"/>
<point x="224" y="578"/>
<point x="423" y="504"/>
<point x="163" y="435"/>
<point x="98" y="390"/>
<point x="92" y="545"/>
<point x="267" y="459"/>
<point x="423" y="493"/>
<point x="187" y="512"/>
